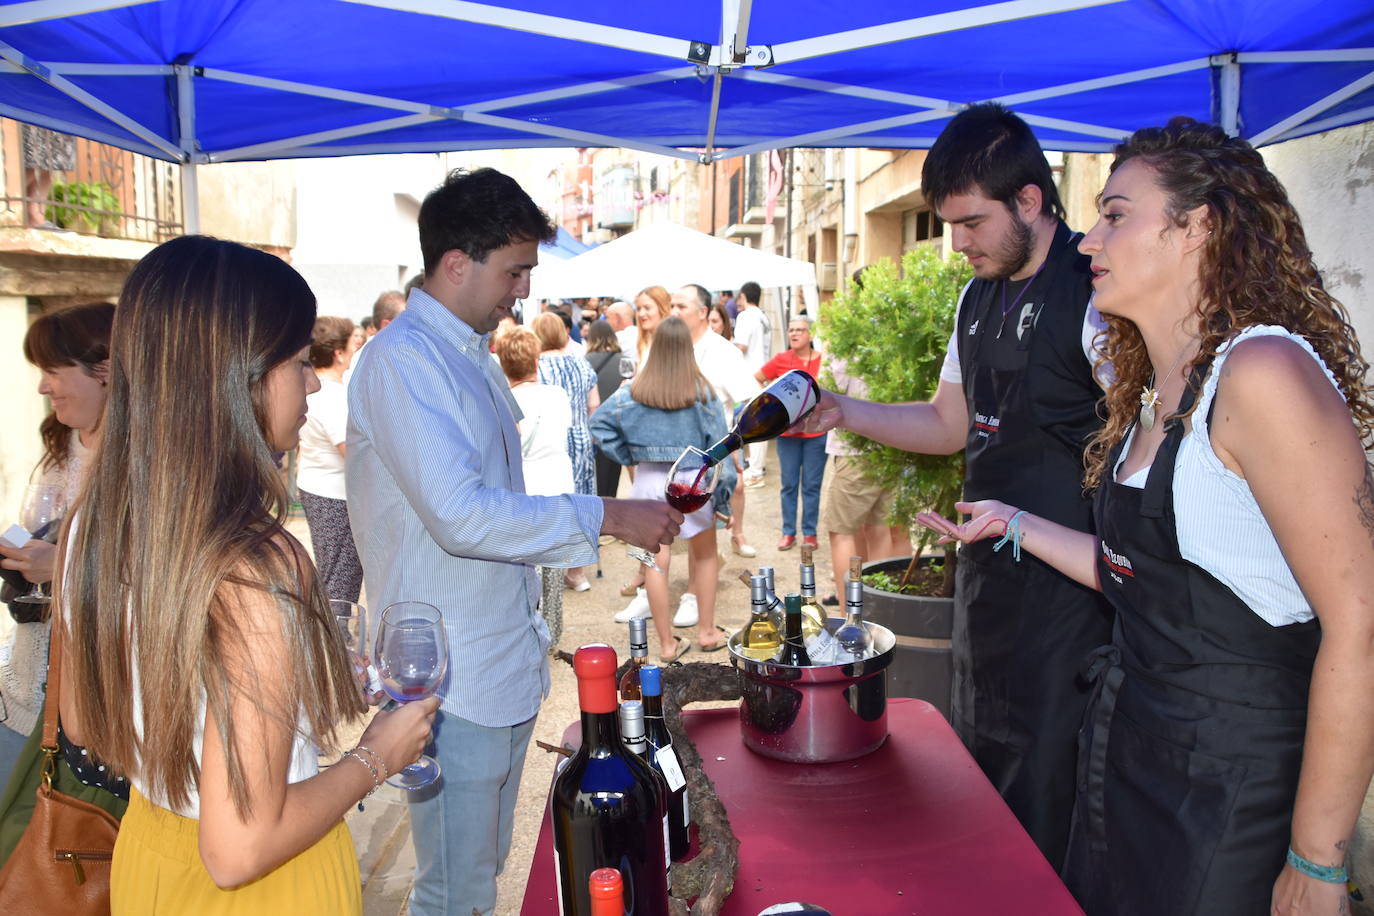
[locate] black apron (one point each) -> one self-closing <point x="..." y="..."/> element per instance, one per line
<point x="1190" y="751"/>
<point x="1022" y="630"/>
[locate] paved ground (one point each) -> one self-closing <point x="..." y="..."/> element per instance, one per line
<point x="381" y="831"/>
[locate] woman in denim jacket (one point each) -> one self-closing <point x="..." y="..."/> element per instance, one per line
<point x="648" y="423"/>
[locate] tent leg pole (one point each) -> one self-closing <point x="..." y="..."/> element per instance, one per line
<point x="190" y="199"/>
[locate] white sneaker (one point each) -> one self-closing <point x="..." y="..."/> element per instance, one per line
<point x="686" y="615"/>
<point x="638" y="607"/>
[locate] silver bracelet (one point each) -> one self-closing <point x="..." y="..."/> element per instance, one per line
<point x="377" y="758"/>
<point x="376" y="782"/>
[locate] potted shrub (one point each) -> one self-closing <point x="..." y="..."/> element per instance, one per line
<point x="892" y="334"/>
<point x="92" y="207"/>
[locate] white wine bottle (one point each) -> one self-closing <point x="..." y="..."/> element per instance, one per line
<point x="761" y="639"/>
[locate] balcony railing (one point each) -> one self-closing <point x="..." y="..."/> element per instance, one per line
<point x="110" y="192"/>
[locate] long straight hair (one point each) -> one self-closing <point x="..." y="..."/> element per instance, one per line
<point x="75" y="336"/>
<point x="670" y="379"/>
<point x="183" y="504"/>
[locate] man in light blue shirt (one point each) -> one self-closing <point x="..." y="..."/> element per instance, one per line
<point x="439" y="512"/>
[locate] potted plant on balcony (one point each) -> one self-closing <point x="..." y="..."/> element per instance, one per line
<point x="892" y="333"/>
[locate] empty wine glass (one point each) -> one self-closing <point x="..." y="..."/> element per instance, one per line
<point x="44" y="504"/>
<point x="691" y="482"/>
<point x="351" y="618"/>
<point x="412" y="659"/>
<point x="627" y="367"/>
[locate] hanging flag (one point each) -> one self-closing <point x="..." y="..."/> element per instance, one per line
<point x="775" y="176"/>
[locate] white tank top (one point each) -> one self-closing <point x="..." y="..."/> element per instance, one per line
<point x="1220" y="526"/>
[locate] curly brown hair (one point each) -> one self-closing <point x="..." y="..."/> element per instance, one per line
<point x="1256" y="269"/>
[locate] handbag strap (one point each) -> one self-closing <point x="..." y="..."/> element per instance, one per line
<point x="52" y="701"/>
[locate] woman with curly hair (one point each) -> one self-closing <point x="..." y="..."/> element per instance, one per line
<point x="1226" y="754"/>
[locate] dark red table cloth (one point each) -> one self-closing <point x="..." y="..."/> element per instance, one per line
<point x="915" y="827"/>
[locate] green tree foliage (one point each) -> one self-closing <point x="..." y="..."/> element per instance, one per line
<point x="892" y="334"/>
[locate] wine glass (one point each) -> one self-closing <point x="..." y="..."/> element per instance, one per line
<point x="627" y="367"/>
<point x="412" y="659"/>
<point x="351" y="618"/>
<point x="691" y="482"/>
<point x="44" y="504"/>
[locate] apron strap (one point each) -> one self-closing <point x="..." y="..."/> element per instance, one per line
<point x="1104" y="671"/>
<point x="1159" y="487"/>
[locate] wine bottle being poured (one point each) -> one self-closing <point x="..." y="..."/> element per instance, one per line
<point x="786" y="400"/>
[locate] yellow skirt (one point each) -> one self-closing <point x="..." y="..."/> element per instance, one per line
<point x="157" y="870"/>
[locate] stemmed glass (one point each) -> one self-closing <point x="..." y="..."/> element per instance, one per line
<point x="627" y="367"/>
<point x="351" y="618"/>
<point x="412" y="659"/>
<point x="691" y="482"/>
<point x="44" y="505"/>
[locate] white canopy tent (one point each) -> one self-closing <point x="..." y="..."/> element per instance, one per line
<point x="669" y="256"/>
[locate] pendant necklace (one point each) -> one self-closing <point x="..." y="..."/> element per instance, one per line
<point x="1017" y="298"/>
<point x="1149" y="395"/>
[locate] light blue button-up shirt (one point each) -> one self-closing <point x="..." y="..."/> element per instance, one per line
<point x="437" y="503"/>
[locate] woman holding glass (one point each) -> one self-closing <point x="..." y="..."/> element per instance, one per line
<point x="668" y="407"/>
<point x="71" y="349"/>
<point x="1229" y="744"/>
<point x="203" y="661"/>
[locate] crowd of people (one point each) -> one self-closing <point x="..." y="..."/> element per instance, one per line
<point x="1165" y="418"/>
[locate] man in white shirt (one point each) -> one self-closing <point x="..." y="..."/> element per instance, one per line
<point x="621" y="317"/>
<point x="436" y="495"/>
<point x="754" y="338"/>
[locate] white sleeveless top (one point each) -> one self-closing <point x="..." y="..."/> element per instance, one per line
<point x="1220" y="526"/>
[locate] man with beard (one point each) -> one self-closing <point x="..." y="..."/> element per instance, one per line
<point x="1018" y="393"/>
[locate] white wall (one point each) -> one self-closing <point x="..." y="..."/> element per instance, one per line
<point x="1330" y="179"/>
<point x="356" y="234"/>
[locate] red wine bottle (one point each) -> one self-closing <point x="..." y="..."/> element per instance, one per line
<point x="608" y="805"/>
<point x="639" y="656"/>
<point x="686" y="498"/>
<point x="664" y="760"/>
<point x="786" y="400"/>
<point x="607" y="892"/>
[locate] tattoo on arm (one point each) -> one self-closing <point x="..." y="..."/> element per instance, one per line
<point x="1364" y="501"/>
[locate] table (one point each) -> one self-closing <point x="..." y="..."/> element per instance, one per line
<point x="915" y="827"/>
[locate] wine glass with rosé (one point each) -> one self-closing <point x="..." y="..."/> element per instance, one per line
<point x="412" y="659"/>
<point x="691" y="483"/>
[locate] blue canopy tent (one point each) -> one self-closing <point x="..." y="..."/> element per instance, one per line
<point x="564" y="246"/>
<point x="199" y="81"/>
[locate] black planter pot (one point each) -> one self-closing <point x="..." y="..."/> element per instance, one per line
<point x="922" y="666"/>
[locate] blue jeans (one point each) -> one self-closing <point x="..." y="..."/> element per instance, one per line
<point x="801" y="461"/>
<point x="461" y="825"/>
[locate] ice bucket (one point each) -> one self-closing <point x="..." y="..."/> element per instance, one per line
<point x="821" y="714"/>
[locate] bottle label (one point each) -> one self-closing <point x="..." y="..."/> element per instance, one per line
<point x="672" y="770"/>
<point x="795" y="393"/>
<point x="667" y="849"/>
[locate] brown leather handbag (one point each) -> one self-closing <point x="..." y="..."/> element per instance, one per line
<point x="62" y="863"/>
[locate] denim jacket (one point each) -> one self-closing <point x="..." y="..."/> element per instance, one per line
<point x="627" y="432"/>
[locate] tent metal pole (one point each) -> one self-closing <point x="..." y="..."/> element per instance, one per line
<point x="42" y="10"/>
<point x="186" y="134"/>
<point x="1316" y="108"/>
<point x="73" y="91"/>
<point x="957" y="20"/>
<point x="706" y="155"/>
<point x="1334" y="55"/>
<point x="739" y="48"/>
<point x="262" y="150"/>
<point x="540" y="24"/>
<point x="775" y="78"/>
<point x="80" y="130"/>
<point x="1341" y="120"/>
<point x="1228" y="92"/>
<point x="80" y="69"/>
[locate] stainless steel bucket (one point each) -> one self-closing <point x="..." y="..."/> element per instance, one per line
<point x="821" y="714"/>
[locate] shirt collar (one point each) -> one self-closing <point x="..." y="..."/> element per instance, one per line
<point x="447" y="325"/>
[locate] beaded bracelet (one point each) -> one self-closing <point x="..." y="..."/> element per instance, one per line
<point x="1331" y="874"/>
<point x="1012" y="534"/>
<point x="376" y="780"/>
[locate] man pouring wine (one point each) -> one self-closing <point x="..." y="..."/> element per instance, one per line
<point x="1017" y="393"/>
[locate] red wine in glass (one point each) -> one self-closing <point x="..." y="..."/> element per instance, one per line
<point x="685" y="498"/>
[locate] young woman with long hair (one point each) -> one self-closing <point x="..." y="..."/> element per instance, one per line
<point x="668" y="407"/>
<point x="1229" y="744"/>
<point x="71" y="349"/>
<point x="202" y="660"/>
<point x="652" y="305"/>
